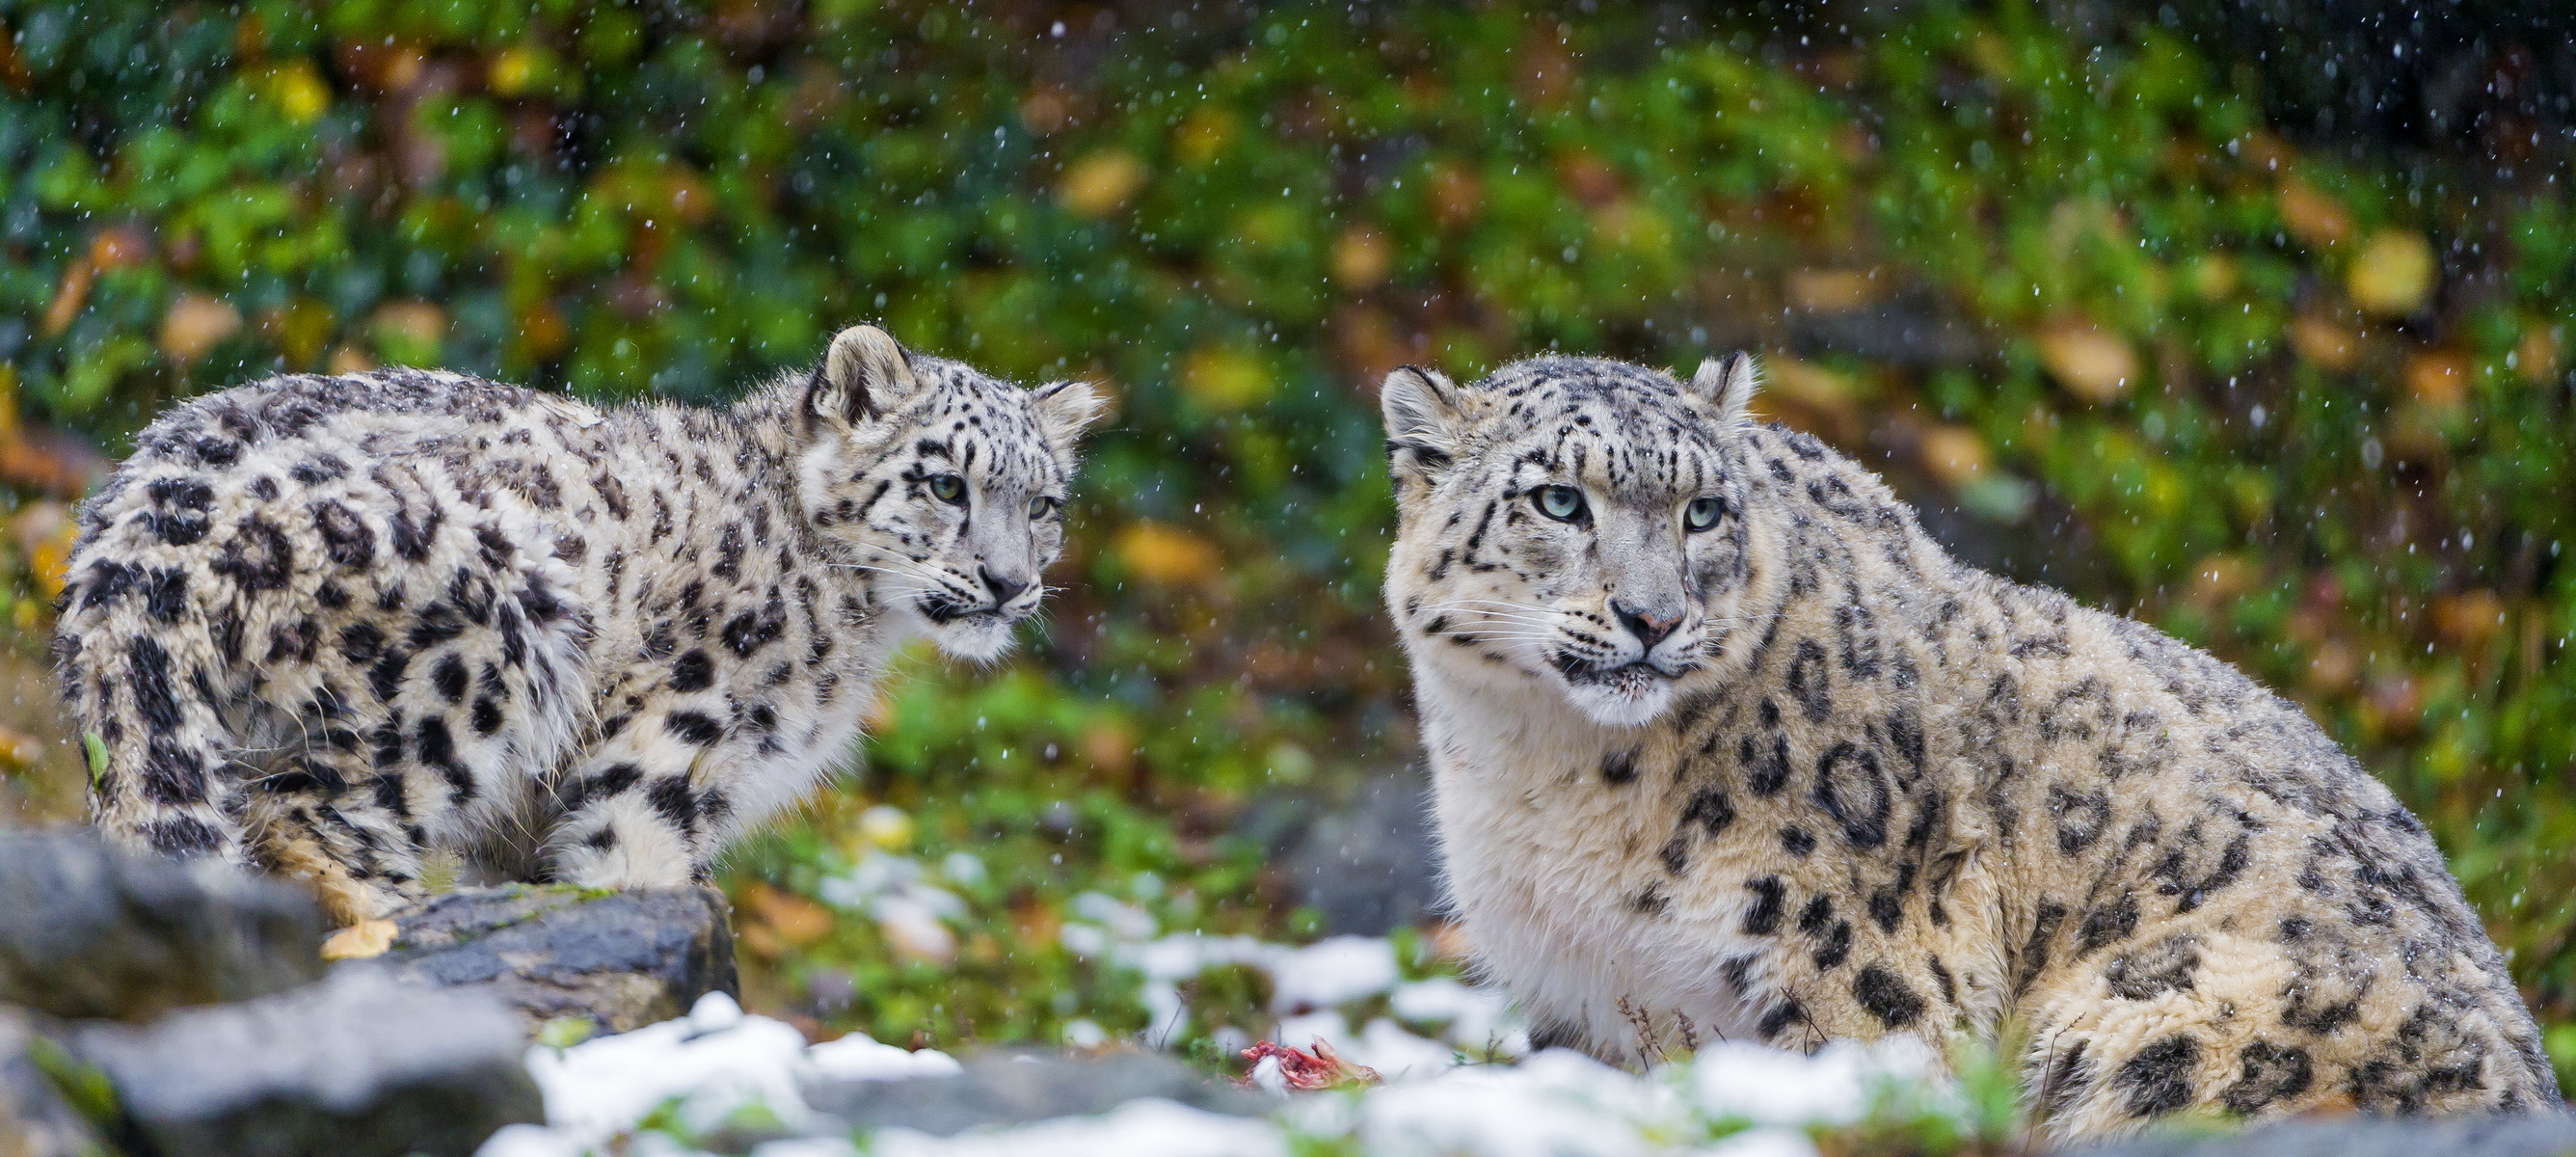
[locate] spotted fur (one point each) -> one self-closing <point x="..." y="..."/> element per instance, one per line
<point x="1800" y="776"/>
<point x="332" y="625"/>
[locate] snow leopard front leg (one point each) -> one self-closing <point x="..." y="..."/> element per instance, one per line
<point x="635" y="809"/>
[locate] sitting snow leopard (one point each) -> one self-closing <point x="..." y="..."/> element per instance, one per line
<point x="330" y="624"/>
<point x="1724" y="746"/>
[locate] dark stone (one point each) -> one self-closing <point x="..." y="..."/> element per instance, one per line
<point x="355" y="1066"/>
<point x="1009" y="1087"/>
<point x="623" y="959"/>
<point x="2537" y="1135"/>
<point x="1368" y="865"/>
<point x="88" y="930"/>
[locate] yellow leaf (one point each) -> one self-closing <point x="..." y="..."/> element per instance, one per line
<point x="1361" y="257"/>
<point x="1832" y="290"/>
<point x="1203" y="135"/>
<point x="1165" y="555"/>
<point x="517" y="69"/>
<point x="1225" y="379"/>
<point x="363" y="940"/>
<point x="300" y="92"/>
<point x="2535" y="357"/>
<point x="1099" y="184"/>
<point x="2394" y="273"/>
<point x="2214" y="276"/>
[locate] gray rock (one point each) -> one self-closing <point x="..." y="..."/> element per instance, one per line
<point x="622" y="959"/>
<point x="358" y="1065"/>
<point x="1011" y="1087"/>
<point x="2536" y="1135"/>
<point x="35" y="1118"/>
<point x="1368" y="864"/>
<point x="87" y="930"/>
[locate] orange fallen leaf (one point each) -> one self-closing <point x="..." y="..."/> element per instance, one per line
<point x="2313" y="217"/>
<point x="2324" y="344"/>
<point x="795" y="920"/>
<point x="70" y="294"/>
<point x="360" y="941"/>
<point x="1954" y="454"/>
<point x="194" y="323"/>
<point x="2092" y="364"/>
<point x="2438" y="378"/>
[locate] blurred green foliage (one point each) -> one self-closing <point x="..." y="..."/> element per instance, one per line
<point x="2308" y="410"/>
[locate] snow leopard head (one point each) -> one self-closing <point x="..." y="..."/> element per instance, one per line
<point x="1574" y="525"/>
<point x="946" y="486"/>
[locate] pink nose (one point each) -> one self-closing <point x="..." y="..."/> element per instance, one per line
<point x="1649" y="629"/>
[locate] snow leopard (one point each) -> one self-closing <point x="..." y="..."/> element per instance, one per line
<point x="340" y="626"/>
<point x="1724" y="746"/>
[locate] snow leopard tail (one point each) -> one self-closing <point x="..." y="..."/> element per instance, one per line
<point x="139" y="663"/>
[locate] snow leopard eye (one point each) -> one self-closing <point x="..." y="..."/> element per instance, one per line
<point x="1042" y="506"/>
<point x="1562" y="503"/>
<point x="948" y="488"/>
<point x="1702" y="513"/>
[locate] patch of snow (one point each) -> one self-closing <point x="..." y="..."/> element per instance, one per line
<point x="859" y="1057"/>
<point x="1145" y="1128"/>
<point x="1330" y="972"/>
<point x="1834" y="1086"/>
<point x="709" y="1064"/>
<point x="1554" y="1104"/>
<point x="1472" y="1017"/>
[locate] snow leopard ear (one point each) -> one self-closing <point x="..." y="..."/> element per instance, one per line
<point x="1426" y="414"/>
<point x="1726" y="382"/>
<point x="863" y="375"/>
<point x="1067" y="408"/>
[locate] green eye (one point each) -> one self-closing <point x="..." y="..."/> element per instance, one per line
<point x="948" y="488"/>
<point x="1562" y="503"/>
<point x="1702" y="513"/>
<point x="1042" y="506"/>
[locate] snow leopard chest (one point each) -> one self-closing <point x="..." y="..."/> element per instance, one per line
<point x="1554" y="861"/>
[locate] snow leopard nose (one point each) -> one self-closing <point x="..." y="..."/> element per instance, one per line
<point x="1649" y="629"/>
<point x="1004" y="587"/>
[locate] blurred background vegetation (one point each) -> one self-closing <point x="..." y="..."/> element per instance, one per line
<point x="2149" y="306"/>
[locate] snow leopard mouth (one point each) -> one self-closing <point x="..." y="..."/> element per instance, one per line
<point x="946" y="612"/>
<point x="1636" y="677"/>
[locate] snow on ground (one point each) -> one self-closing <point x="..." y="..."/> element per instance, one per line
<point x="1312" y="986"/>
<point x="1444" y="1048"/>
<point x="687" y="1077"/>
<point x="695" y="1074"/>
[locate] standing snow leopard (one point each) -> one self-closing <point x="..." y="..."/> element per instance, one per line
<point x="331" y="624"/>
<point x="1724" y="746"/>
